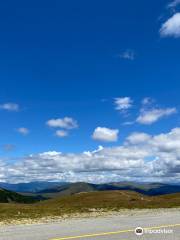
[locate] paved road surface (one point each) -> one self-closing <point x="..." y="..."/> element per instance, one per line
<point x="115" y="227"/>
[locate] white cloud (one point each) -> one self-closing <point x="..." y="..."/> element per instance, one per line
<point x="11" y="107"/>
<point x="22" y="130"/>
<point x="105" y="164"/>
<point x="153" y="115"/>
<point x="125" y="162"/>
<point x="123" y="103"/>
<point x="49" y="154"/>
<point x="105" y="134"/>
<point x="137" y="138"/>
<point x="147" y="101"/>
<point x="128" y="55"/>
<point x="61" y="133"/>
<point x="171" y="28"/>
<point x="89" y="154"/>
<point x="66" y="123"/>
<point x="128" y="123"/>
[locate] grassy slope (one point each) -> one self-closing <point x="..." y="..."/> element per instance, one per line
<point x="68" y="190"/>
<point x="87" y="202"/>
<point x="9" y="196"/>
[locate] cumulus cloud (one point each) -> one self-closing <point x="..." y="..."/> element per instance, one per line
<point x="66" y="123"/>
<point x="61" y="133"/>
<point x="105" y="134"/>
<point x="22" y="130"/>
<point x="137" y="138"/>
<point x="89" y="153"/>
<point x="123" y="103"/>
<point x="95" y="166"/>
<point x="128" y="55"/>
<point x="142" y="157"/>
<point x="11" y="107"/>
<point x="171" y="28"/>
<point x="151" y="116"/>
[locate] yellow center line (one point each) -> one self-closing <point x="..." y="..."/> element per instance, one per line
<point x="113" y="233"/>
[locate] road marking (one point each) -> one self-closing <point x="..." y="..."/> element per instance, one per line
<point x="113" y="233"/>
<point x="94" y="235"/>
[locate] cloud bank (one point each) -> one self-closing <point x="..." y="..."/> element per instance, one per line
<point x="129" y="161"/>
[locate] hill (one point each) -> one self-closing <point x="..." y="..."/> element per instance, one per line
<point x="13" y="197"/>
<point x="114" y="200"/>
<point x="87" y="203"/>
<point x="150" y="189"/>
<point x="69" y="189"/>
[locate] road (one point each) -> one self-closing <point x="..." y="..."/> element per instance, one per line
<point x="112" y="227"/>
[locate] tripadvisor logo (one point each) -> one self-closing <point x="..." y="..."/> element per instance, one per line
<point x="139" y="231"/>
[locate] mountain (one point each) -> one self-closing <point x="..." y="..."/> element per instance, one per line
<point x="112" y="200"/>
<point x="55" y="189"/>
<point x="85" y="203"/>
<point x="69" y="189"/>
<point x="31" y="187"/>
<point x="150" y="189"/>
<point x="7" y="196"/>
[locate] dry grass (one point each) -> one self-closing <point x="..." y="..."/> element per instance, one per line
<point x="87" y="202"/>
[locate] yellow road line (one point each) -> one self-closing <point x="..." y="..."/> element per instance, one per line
<point x="94" y="235"/>
<point x="113" y="233"/>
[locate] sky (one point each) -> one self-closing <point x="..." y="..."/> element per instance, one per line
<point x="89" y="90"/>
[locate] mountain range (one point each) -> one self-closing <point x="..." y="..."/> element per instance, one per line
<point x="35" y="191"/>
<point x="150" y="189"/>
<point x="31" y="187"/>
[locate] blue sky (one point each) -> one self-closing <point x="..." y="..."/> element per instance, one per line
<point x="71" y="61"/>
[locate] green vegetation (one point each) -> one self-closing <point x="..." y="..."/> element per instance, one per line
<point x="83" y="198"/>
<point x="9" y="197"/>
<point x="86" y="202"/>
<point x="69" y="189"/>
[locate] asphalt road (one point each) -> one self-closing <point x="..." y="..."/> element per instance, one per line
<point x="113" y="227"/>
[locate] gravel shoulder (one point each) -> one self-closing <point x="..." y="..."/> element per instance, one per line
<point x="93" y="214"/>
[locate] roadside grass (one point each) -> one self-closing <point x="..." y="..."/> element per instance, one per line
<point x="86" y="203"/>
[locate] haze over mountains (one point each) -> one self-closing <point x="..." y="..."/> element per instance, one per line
<point x="32" y="187"/>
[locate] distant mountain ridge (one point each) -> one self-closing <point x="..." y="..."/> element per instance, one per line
<point x="70" y="189"/>
<point x="53" y="189"/>
<point x="150" y="189"/>
<point x="31" y="187"/>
